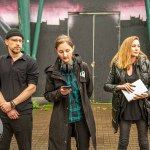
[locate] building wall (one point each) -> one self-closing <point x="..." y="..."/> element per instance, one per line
<point x="55" y="22"/>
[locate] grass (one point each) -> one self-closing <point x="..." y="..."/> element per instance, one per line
<point x="49" y="106"/>
<point x="45" y="107"/>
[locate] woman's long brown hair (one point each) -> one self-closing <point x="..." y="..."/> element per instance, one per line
<point x="123" y="56"/>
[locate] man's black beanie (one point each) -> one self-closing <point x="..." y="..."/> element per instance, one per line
<point x="13" y="32"/>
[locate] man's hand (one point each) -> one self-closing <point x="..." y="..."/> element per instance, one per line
<point x="13" y="114"/>
<point x="5" y="107"/>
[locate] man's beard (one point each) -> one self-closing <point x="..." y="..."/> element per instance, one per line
<point x="16" y="52"/>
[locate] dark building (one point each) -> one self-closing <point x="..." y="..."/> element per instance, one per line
<point x="106" y="45"/>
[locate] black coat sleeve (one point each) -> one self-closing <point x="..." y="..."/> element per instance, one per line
<point x="51" y="94"/>
<point x="88" y="77"/>
<point x="112" y="80"/>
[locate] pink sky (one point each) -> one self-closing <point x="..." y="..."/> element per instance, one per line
<point x="53" y="12"/>
<point x="127" y="10"/>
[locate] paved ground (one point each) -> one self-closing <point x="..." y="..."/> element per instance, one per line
<point x="106" y="139"/>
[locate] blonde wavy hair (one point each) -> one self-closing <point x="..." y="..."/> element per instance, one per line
<point x="123" y="57"/>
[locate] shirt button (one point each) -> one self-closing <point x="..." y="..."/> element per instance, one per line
<point x="65" y="142"/>
<point x="67" y="108"/>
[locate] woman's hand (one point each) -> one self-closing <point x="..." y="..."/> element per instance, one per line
<point x="140" y="96"/>
<point x="65" y="91"/>
<point x="127" y="86"/>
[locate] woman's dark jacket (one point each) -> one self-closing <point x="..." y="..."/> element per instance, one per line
<point x="59" y="119"/>
<point x="116" y="77"/>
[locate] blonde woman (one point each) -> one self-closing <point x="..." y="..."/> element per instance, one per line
<point x="128" y="65"/>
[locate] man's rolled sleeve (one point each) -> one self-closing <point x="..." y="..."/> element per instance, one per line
<point x="32" y="73"/>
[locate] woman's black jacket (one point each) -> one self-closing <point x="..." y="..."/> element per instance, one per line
<point x="116" y="77"/>
<point x="59" y="118"/>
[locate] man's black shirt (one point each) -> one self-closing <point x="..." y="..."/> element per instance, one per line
<point x="15" y="77"/>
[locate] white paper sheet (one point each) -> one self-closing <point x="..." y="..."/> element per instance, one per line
<point x="138" y="89"/>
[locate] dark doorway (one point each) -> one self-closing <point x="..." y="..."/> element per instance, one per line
<point x="97" y="38"/>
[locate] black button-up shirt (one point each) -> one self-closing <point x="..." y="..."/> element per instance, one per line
<point x="15" y="77"/>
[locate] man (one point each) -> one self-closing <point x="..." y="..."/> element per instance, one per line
<point x="18" y="79"/>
